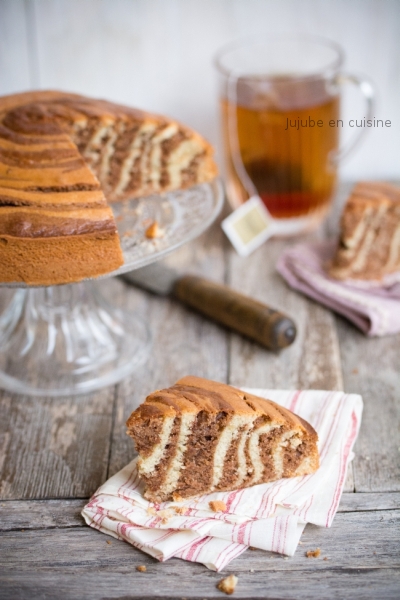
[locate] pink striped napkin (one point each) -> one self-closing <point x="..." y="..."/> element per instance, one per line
<point x="269" y="516"/>
<point x="373" y="306"/>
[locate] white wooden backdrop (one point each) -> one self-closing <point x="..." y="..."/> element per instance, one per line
<point x="157" y="55"/>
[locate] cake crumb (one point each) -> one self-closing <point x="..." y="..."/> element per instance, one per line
<point x="313" y="553"/>
<point x="180" y="510"/>
<point x="177" y="497"/>
<point x="151" y="510"/>
<point x="326" y="558"/>
<point x="109" y="542"/>
<point x="217" y="506"/>
<point x="165" y="515"/>
<point x="153" y="231"/>
<point x="228" y="584"/>
<point x="251" y="570"/>
<point x="141" y="568"/>
<point x="252" y="548"/>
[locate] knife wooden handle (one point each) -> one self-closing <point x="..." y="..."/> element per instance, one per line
<point x="268" y="327"/>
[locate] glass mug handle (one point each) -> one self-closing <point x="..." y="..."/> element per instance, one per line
<point x="368" y="92"/>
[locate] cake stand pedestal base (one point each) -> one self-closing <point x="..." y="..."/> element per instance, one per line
<point x="67" y="340"/>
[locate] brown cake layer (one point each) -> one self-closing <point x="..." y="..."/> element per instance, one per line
<point x="62" y="157"/>
<point x="200" y="436"/>
<point x="369" y="245"/>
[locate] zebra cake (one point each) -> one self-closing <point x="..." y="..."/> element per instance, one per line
<point x="369" y="244"/>
<point x="200" y="436"/>
<point x="63" y="159"/>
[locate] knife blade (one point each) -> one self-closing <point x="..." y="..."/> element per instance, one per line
<point x="255" y="320"/>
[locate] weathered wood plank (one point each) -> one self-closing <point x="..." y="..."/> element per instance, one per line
<point x="356" y="567"/>
<point x="372" y="501"/>
<point x="46" y="514"/>
<point x="357" y="584"/>
<point x="41" y="514"/>
<point x="371" y="367"/>
<point x="373" y="544"/>
<point x="313" y="360"/>
<point x="183" y="341"/>
<point x="54" y="447"/>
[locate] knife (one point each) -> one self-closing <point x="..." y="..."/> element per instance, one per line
<point x="270" y="328"/>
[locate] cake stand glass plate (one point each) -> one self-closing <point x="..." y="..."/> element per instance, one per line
<point x="67" y="339"/>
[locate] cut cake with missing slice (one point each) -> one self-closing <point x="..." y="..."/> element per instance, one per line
<point x="63" y="158"/>
<point x="200" y="436"/>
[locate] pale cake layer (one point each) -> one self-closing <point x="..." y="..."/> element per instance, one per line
<point x="369" y="246"/>
<point x="67" y="153"/>
<point x="200" y="436"/>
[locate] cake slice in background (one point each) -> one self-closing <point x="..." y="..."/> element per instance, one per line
<point x="369" y="244"/>
<point x="199" y="436"/>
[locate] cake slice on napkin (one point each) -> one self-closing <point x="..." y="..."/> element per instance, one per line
<point x="199" y="436"/>
<point x="369" y="245"/>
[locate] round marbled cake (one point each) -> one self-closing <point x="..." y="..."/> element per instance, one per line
<point x="63" y="158"/>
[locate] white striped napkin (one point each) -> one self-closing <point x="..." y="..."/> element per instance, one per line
<point x="270" y="516"/>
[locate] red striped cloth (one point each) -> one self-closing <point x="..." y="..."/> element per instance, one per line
<point x="270" y="516"/>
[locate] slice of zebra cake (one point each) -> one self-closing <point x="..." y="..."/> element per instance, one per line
<point x="369" y="243"/>
<point x="200" y="436"/>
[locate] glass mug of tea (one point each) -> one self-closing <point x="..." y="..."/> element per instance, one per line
<point x="280" y="108"/>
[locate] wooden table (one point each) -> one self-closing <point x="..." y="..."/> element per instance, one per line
<point x="54" y="453"/>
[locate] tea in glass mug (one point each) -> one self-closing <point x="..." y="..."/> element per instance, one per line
<point x="280" y="108"/>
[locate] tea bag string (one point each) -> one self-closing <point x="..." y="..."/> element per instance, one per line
<point x="233" y="136"/>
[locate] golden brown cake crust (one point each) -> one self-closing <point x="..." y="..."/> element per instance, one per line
<point x="191" y="394"/>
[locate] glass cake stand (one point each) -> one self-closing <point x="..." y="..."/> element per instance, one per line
<point x="67" y="339"/>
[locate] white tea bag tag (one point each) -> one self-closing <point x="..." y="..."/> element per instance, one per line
<point x="248" y="226"/>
